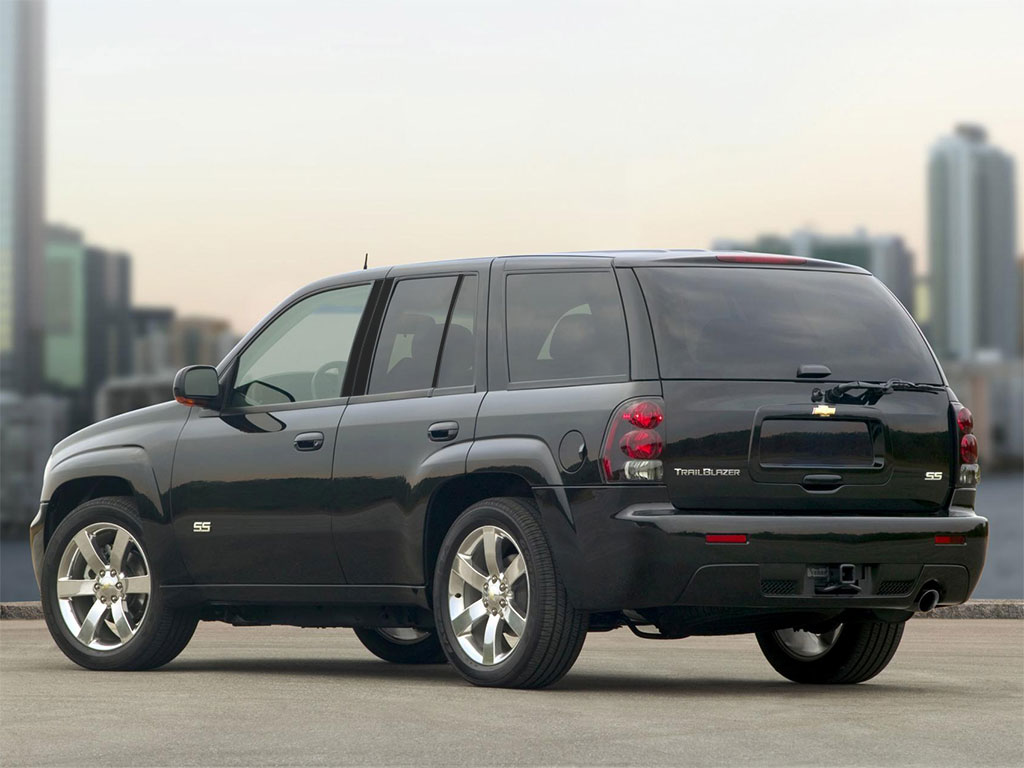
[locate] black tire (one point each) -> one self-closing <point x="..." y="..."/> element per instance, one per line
<point x="554" y="630"/>
<point x="425" y="650"/>
<point x="162" y="632"/>
<point x="861" y="651"/>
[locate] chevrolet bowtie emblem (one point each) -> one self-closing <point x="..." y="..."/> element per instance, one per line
<point x="823" y="410"/>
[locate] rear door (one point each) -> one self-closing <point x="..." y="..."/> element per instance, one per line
<point x="411" y="427"/>
<point x="742" y="348"/>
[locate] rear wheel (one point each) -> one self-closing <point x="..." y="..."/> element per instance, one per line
<point x="502" y="612"/>
<point x="849" y="653"/>
<point x="101" y="600"/>
<point x="402" y="645"/>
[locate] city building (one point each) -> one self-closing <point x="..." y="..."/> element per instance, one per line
<point x="885" y="256"/>
<point x="88" y="319"/>
<point x="64" y="348"/>
<point x="32" y="424"/>
<point x="22" y="204"/>
<point x="151" y="339"/>
<point x="163" y="344"/>
<point x="200" y="341"/>
<point x="109" y="339"/>
<point x="972" y="246"/>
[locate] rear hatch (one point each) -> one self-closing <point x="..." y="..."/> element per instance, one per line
<point x="741" y="350"/>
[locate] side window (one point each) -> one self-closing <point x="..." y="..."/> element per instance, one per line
<point x="564" y="325"/>
<point x="459" y="353"/>
<point x="303" y="354"/>
<point x="410" y="337"/>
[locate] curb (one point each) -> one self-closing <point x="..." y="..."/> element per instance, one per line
<point x="975" y="609"/>
<point x="979" y="609"/>
<point x="31" y="610"/>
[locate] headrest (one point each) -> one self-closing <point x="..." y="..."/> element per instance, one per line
<point x="573" y="334"/>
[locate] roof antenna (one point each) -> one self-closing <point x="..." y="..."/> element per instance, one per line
<point x="366" y="260"/>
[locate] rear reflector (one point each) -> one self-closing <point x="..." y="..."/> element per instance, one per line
<point x="950" y="539"/>
<point x="726" y="538"/>
<point x="759" y="258"/>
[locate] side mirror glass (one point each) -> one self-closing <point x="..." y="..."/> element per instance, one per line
<point x="197" y="385"/>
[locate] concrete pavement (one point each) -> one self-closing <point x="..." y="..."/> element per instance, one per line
<point x="953" y="695"/>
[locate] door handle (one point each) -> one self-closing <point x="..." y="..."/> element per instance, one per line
<point x="443" y="431"/>
<point x="309" y="441"/>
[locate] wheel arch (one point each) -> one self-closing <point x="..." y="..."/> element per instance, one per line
<point x="123" y="471"/>
<point x="72" y="493"/>
<point x="452" y="497"/>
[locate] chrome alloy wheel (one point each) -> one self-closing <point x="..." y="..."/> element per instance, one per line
<point x="103" y="586"/>
<point x="807" y="646"/>
<point x="488" y="595"/>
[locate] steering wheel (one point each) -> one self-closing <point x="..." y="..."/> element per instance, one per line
<point x="319" y="381"/>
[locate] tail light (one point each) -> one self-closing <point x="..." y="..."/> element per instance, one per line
<point x="968" y="443"/>
<point x="634" y="442"/>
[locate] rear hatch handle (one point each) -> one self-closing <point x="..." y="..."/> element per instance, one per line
<point x="821" y="482"/>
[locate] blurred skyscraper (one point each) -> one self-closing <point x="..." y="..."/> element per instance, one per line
<point x="885" y="256"/>
<point x="972" y="231"/>
<point x="89" y="330"/>
<point x="22" y="159"/>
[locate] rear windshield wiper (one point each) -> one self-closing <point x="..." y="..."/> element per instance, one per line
<point x="872" y="391"/>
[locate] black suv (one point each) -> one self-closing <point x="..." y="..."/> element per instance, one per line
<point x="483" y="460"/>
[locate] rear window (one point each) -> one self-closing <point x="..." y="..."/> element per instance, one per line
<point x="736" y="323"/>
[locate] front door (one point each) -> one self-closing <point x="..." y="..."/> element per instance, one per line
<point x="250" y="480"/>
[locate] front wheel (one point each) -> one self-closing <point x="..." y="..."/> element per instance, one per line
<point x="402" y="645"/>
<point x="101" y="600"/>
<point x="849" y="653"/>
<point x="502" y="612"/>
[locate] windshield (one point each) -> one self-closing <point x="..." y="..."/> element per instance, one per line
<point x="756" y="323"/>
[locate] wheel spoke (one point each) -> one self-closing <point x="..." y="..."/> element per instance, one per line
<point x="469" y="618"/>
<point x="468" y="572"/>
<point x="121" y="624"/>
<point x="84" y="543"/>
<point x="515" y="569"/>
<point x="491" y="634"/>
<point x="491" y="540"/>
<point x="515" y="620"/>
<point x="117" y="549"/>
<point x="91" y="623"/>
<point x="74" y="588"/>
<point x="136" y="585"/>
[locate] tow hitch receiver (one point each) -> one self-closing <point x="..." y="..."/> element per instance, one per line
<point x="842" y="579"/>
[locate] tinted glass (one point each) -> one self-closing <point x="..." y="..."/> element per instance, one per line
<point x="460" y="341"/>
<point x="411" y="335"/>
<point x="733" y="323"/>
<point x="303" y="354"/>
<point x="564" y="325"/>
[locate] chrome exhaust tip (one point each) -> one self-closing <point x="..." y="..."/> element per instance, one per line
<point x="927" y="600"/>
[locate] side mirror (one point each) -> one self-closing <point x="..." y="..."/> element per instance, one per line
<point x="197" y="385"/>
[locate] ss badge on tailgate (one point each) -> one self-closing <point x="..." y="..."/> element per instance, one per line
<point x="201" y="527"/>
<point x="932" y="475"/>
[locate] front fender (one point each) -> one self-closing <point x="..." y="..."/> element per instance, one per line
<point x="132" y="464"/>
<point x="129" y="463"/>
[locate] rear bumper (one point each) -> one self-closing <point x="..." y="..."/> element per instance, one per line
<point x="648" y="554"/>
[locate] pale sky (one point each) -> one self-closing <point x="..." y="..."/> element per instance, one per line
<point x="242" y="149"/>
